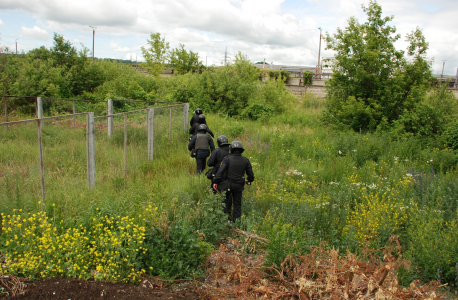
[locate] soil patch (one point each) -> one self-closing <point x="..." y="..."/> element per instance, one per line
<point x="76" y="289"/>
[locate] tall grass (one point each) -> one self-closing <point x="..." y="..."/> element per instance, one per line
<point x="312" y="185"/>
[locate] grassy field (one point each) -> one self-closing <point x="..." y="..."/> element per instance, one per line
<point x="312" y="185"/>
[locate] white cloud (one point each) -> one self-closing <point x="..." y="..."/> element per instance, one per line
<point x="35" y="32"/>
<point x="115" y="47"/>
<point x="285" y="30"/>
<point x="1" y="22"/>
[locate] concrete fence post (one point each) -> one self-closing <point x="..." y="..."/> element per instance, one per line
<point x="42" y="168"/>
<point x="185" y="116"/>
<point x="90" y="150"/>
<point x="150" y="134"/>
<point x="110" y="119"/>
<point x="40" y="110"/>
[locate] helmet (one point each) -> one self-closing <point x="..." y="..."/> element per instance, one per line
<point x="198" y="111"/>
<point x="201" y="118"/>
<point x="236" y="145"/>
<point x="222" y="140"/>
<point x="202" y="127"/>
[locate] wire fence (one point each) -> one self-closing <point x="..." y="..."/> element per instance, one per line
<point x="139" y="128"/>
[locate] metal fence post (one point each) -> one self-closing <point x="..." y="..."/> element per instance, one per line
<point x="40" y="110"/>
<point x="150" y="134"/>
<point x="185" y="116"/>
<point x="90" y="150"/>
<point x="170" y="127"/>
<point x="74" y="117"/>
<point x="125" y="145"/>
<point x="110" y="119"/>
<point x="6" y="112"/>
<point x="42" y="168"/>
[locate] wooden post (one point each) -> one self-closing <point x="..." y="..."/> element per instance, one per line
<point x="125" y="145"/>
<point x="110" y="119"/>
<point x="6" y="112"/>
<point x="74" y="117"/>
<point x="151" y="134"/>
<point x="170" y="127"/>
<point x="40" y="110"/>
<point x="42" y="168"/>
<point x="185" y="116"/>
<point x="90" y="150"/>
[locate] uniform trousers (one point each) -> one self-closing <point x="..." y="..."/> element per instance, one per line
<point x="233" y="198"/>
<point x="201" y="162"/>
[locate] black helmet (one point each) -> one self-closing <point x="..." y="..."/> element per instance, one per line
<point x="202" y="127"/>
<point x="201" y="118"/>
<point x="236" y="145"/>
<point x="222" y="140"/>
<point x="198" y="111"/>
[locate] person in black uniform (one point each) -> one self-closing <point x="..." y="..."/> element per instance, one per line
<point x="203" y="144"/>
<point x="231" y="178"/>
<point x="195" y="118"/>
<point x="216" y="157"/>
<point x="201" y="120"/>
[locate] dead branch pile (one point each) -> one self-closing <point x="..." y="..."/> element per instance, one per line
<point x="11" y="286"/>
<point x="322" y="274"/>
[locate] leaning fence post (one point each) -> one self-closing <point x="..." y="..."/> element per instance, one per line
<point x="42" y="168"/>
<point x="6" y="112"/>
<point x="40" y="110"/>
<point x="90" y="150"/>
<point x="185" y="116"/>
<point x="150" y="134"/>
<point x="74" y="117"/>
<point x="110" y="119"/>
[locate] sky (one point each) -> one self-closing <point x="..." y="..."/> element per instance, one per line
<point x="283" y="32"/>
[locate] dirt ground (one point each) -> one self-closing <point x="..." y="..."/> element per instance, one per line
<point x="75" y="289"/>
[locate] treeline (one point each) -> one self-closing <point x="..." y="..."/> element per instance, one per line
<point x="64" y="72"/>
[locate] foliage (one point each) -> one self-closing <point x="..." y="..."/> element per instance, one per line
<point x="308" y="77"/>
<point x="373" y="82"/>
<point x="38" y="246"/>
<point x="183" y="61"/>
<point x="156" y="54"/>
<point x="283" y="75"/>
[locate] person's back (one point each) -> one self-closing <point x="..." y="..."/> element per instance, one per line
<point x="195" y="118"/>
<point x="202" y="144"/>
<point x="202" y="120"/>
<point x="231" y="179"/>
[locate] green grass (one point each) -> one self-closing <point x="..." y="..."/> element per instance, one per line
<point x="312" y="185"/>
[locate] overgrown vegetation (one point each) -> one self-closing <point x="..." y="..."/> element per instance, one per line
<point x="390" y="169"/>
<point x="373" y="84"/>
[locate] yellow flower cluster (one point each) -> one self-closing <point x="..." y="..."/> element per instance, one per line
<point x="376" y="211"/>
<point x="107" y="249"/>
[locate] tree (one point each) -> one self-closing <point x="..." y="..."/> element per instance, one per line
<point x="63" y="53"/>
<point x="372" y="82"/>
<point x="156" y="54"/>
<point x="183" y="61"/>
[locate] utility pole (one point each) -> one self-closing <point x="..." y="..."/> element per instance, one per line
<point x="16" y="45"/>
<point x="93" y="39"/>
<point x="442" y="74"/>
<point x="319" y="55"/>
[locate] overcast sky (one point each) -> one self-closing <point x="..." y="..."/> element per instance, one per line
<point x="284" y="32"/>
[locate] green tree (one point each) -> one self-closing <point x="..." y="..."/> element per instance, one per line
<point x="63" y="52"/>
<point x="372" y="82"/>
<point x="183" y="61"/>
<point x="156" y="53"/>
